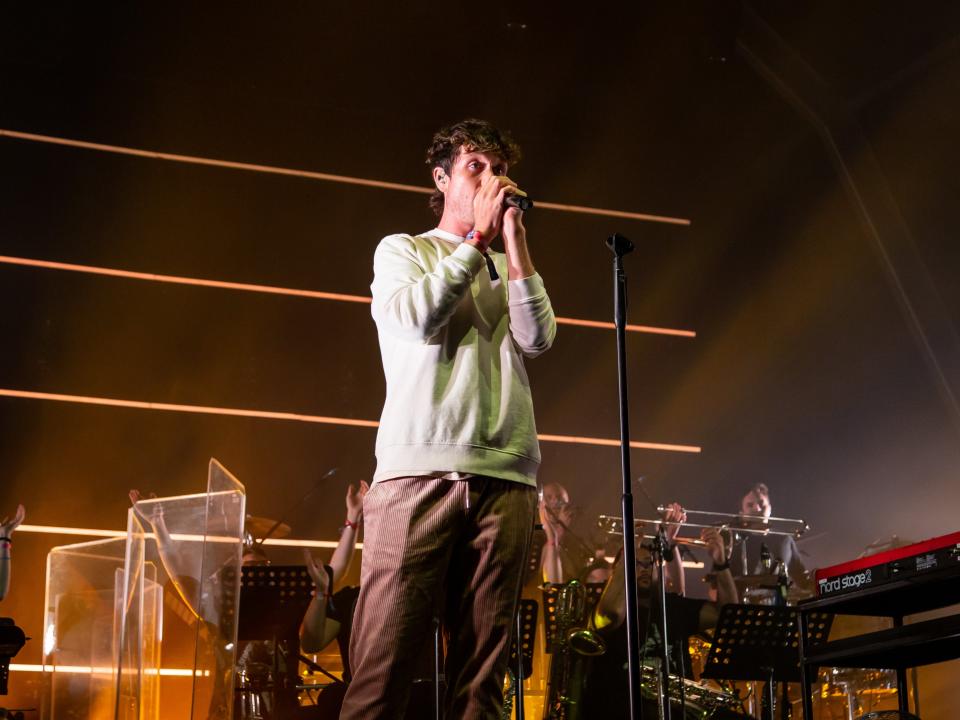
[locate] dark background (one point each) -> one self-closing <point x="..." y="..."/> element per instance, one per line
<point x="806" y="373"/>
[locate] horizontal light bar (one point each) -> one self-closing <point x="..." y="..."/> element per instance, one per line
<point x="86" y="532"/>
<point x="93" y="532"/>
<point x="328" y="420"/>
<point x="154" y="277"/>
<point x="274" y="290"/>
<point x="198" y="409"/>
<point x="311" y="175"/>
<point x="650" y="329"/>
<point x="88" y="670"/>
<point x="580" y="440"/>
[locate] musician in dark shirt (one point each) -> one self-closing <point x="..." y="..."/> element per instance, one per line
<point x="755" y="554"/>
<point x="606" y="693"/>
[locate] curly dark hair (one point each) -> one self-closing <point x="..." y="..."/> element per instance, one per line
<point x="474" y="136"/>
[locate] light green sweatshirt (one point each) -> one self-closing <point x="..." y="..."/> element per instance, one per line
<point x="452" y="341"/>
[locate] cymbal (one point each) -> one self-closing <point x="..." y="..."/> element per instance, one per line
<point x="882" y="544"/>
<point x="260" y="526"/>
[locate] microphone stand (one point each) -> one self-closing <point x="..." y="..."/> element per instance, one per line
<point x="660" y="545"/>
<point x="316" y="486"/>
<point x="620" y="246"/>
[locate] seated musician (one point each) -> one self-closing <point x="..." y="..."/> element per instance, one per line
<point x="607" y="685"/>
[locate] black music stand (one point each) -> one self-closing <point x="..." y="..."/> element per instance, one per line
<point x="760" y="642"/>
<point x="524" y="637"/>
<point x="537" y="541"/>
<point x="273" y="601"/>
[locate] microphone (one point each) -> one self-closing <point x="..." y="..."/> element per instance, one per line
<point x="766" y="559"/>
<point x="316" y="486"/>
<point x="518" y="201"/>
<point x="643" y="490"/>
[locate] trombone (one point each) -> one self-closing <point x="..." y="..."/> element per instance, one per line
<point x="736" y="523"/>
<point x="613" y="525"/>
<point x="740" y="523"/>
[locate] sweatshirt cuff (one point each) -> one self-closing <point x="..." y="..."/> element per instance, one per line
<point x="526" y="288"/>
<point x="469" y="256"/>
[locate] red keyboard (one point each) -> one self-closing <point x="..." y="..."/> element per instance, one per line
<point x="934" y="555"/>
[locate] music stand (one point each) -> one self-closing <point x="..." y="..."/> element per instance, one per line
<point x="760" y="642"/>
<point x="273" y="601"/>
<point x="524" y="637"/>
<point x="532" y="572"/>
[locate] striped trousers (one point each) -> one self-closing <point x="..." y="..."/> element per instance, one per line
<point x="455" y="549"/>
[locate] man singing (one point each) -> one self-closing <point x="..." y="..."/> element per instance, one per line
<point x="450" y="514"/>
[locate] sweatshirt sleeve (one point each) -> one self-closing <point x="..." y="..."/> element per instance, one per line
<point x="409" y="302"/>
<point x="531" y="316"/>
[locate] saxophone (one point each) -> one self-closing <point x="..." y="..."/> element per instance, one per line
<point x="509" y="693"/>
<point x="574" y="642"/>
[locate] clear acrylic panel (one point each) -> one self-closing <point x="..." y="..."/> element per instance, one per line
<point x="196" y="543"/>
<point x="139" y="622"/>
<point x="219" y="591"/>
<point x="81" y="632"/>
<point x="144" y="626"/>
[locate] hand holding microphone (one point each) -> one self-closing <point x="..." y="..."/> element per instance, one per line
<point x="497" y="194"/>
<point x="519" y="200"/>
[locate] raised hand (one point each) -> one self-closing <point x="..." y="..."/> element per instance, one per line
<point x="155" y="512"/>
<point x="548" y="522"/>
<point x="317" y="573"/>
<point x="354" y="500"/>
<point x="488" y="207"/>
<point x="674" y="516"/>
<point x="715" y="545"/>
<point x="8" y="525"/>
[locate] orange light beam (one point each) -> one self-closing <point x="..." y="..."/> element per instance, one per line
<point x="323" y="419"/>
<point x="578" y="439"/>
<point x="88" y="670"/>
<point x="309" y="174"/>
<point x="57" y="530"/>
<point x="650" y="329"/>
<point x="198" y="409"/>
<point x="177" y="280"/>
<point x="271" y="289"/>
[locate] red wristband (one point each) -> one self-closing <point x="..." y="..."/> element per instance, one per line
<point x="350" y="524"/>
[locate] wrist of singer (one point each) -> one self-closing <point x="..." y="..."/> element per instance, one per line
<point x="480" y="238"/>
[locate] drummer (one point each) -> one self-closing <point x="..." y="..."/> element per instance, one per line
<point x="607" y="680"/>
